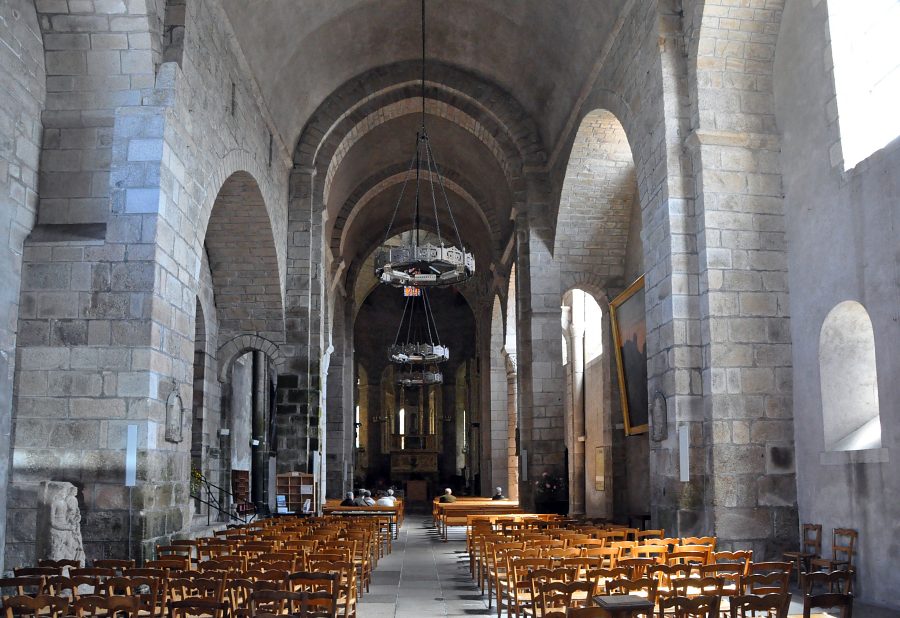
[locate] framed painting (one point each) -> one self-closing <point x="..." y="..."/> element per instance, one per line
<point x="628" y="317"/>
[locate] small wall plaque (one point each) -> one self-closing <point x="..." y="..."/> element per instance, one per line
<point x="659" y="421"/>
<point x="174" y="417"/>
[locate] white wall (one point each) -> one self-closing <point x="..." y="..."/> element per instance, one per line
<point x="843" y="231"/>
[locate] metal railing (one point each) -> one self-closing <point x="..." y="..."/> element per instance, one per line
<point x="202" y="491"/>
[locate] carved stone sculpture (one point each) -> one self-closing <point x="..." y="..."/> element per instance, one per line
<point x="60" y="524"/>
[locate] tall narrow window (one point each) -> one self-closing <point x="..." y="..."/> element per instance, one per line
<point x="402" y="428"/>
<point x="866" y="55"/>
<point x="847" y="371"/>
<point x="358" y="425"/>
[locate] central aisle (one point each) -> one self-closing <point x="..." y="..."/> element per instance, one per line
<point x="423" y="577"/>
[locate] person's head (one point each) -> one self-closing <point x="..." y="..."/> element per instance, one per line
<point x="368" y="494"/>
<point x="349" y="495"/>
<point x="448" y="491"/>
<point x="499" y="490"/>
<point x="390" y="492"/>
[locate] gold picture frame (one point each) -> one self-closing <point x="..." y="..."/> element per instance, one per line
<point x="628" y="318"/>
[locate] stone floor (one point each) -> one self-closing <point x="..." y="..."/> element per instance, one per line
<point x="424" y="576"/>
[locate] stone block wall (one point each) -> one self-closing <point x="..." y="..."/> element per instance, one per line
<point x="23" y="83"/>
<point x="747" y="377"/>
<point x="109" y="309"/>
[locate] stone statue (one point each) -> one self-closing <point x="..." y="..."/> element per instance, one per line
<point x="63" y="518"/>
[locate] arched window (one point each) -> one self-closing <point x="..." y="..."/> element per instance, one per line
<point x="866" y="54"/>
<point x="849" y="380"/>
<point x="173" y="30"/>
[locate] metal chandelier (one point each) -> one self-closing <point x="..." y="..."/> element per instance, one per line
<point x="430" y="265"/>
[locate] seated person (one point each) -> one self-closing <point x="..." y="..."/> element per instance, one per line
<point x="348" y="499"/>
<point x="384" y="500"/>
<point x="390" y="496"/>
<point x="367" y="498"/>
<point x="360" y="498"/>
<point x="498" y="494"/>
<point x="448" y="496"/>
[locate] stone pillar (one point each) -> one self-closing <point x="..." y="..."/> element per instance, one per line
<point x="299" y="386"/>
<point x="539" y="346"/>
<point x="259" y="436"/>
<point x="575" y="414"/>
<point x="496" y="410"/>
<point x="512" y="424"/>
<point x="746" y="336"/>
<point x="340" y="411"/>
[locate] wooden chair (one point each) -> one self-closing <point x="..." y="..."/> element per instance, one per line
<point x="685" y="607"/>
<point x="771" y="605"/>
<point x="709" y="541"/>
<point x="697" y="587"/>
<point x="555" y="597"/>
<point x="347" y="591"/>
<point x="810" y="547"/>
<point x="43" y="571"/>
<point x="655" y="552"/>
<point x="665" y="573"/>
<point x="237" y="593"/>
<point x="59" y="564"/>
<point x="741" y="556"/>
<point x="606" y="556"/>
<point x="775" y="582"/>
<point x="25" y="585"/>
<point x="106" y="606"/>
<point x="197" y="606"/>
<point x="39" y="606"/>
<point x="318" y="605"/>
<point x="520" y="586"/>
<point x="641" y="535"/>
<point x="276" y="602"/>
<point x="833" y="581"/>
<point x="637" y="567"/>
<point x="843" y="546"/>
<point x="829" y="600"/>
<point x="116" y="565"/>
<point x="322" y="590"/>
<point x="731" y="575"/>
<point x="645" y="587"/>
<point x="62" y="586"/>
<point x="601" y="576"/>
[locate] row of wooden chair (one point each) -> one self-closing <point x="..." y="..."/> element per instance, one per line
<point x="313" y="568"/>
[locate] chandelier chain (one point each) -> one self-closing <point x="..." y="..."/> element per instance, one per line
<point x="444" y="193"/>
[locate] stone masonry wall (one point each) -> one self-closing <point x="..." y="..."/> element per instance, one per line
<point x="109" y="310"/>
<point x="23" y="83"/>
<point x="744" y="302"/>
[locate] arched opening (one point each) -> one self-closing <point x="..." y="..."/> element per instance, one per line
<point x="173" y="31"/>
<point x="866" y="75"/>
<point x="512" y="391"/>
<point x="240" y="283"/>
<point x="849" y="379"/>
<point x="198" y="438"/>
<point x="599" y="252"/>
<point x="582" y="324"/>
<point x="419" y="438"/>
<point x="499" y="421"/>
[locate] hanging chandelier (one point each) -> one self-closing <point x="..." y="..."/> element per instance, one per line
<point x="414" y="264"/>
<point x="419" y="350"/>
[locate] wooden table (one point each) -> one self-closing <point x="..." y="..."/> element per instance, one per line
<point x="624" y="605"/>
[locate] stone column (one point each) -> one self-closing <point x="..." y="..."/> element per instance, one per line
<point x="512" y="424"/>
<point x="299" y="385"/>
<point x="575" y="416"/>
<point x="539" y="345"/>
